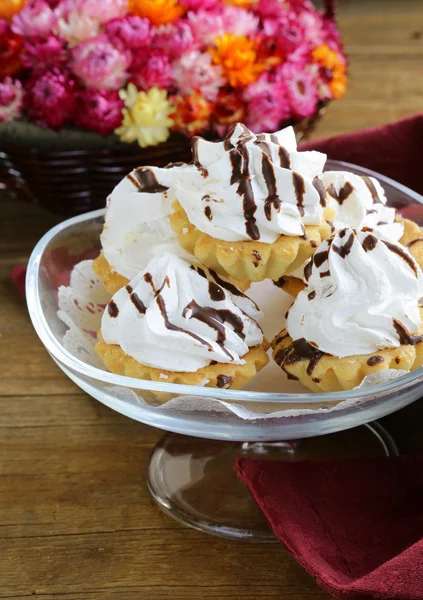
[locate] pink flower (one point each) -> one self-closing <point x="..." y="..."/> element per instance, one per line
<point x="195" y="72"/>
<point x="134" y="32"/>
<point x="206" y="26"/>
<point x="74" y="24"/>
<point x="301" y="88"/>
<point x="151" y="68"/>
<point x="175" y="39"/>
<point x="99" y="111"/>
<point x="286" y="30"/>
<point x="100" y="64"/>
<point x="239" y="21"/>
<point x="271" y="9"/>
<point x="36" y="19"/>
<point x="98" y="10"/>
<point x="51" y="98"/>
<point x="268" y="104"/>
<point x="44" y="53"/>
<point x="199" y="4"/>
<point x="311" y="24"/>
<point x="11" y="96"/>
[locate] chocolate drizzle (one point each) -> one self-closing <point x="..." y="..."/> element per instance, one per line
<point x="284" y="159"/>
<point x="404" y="255"/>
<point x="216" y="292"/>
<point x="307" y="270"/>
<point x="195" y="157"/>
<point x="320" y="188"/>
<point x="241" y="176"/>
<point x="372" y="188"/>
<point x="162" y="307"/>
<point x="297" y="351"/>
<point x="331" y="225"/>
<point x="270" y="181"/>
<point x="208" y="213"/>
<point x="344" y="250"/>
<point x="280" y="282"/>
<point x="344" y="192"/>
<point x="420" y="239"/>
<point x="375" y="360"/>
<point x="404" y="336"/>
<point x="369" y="243"/>
<point x="299" y="187"/>
<point x="224" y="381"/>
<point x="311" y="295"/>
<point x="138" y="303"/>
<point x="320" y="257"/>
<point x="148" y="182"/>
<point x="112" y="309"/>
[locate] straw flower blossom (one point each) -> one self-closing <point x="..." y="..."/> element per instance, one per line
<point x="237" y="56"/>
<point x="146" y="117"/>
<point x="158" y="12"/>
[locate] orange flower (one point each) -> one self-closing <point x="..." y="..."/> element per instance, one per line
<point x="242" y="3"/>
<point x="192" y="113"/>
<point x="335" y="63"/>
<point x="157" y="11"/>
<point x="237" y="55"/>
<point x="8" y="8"/>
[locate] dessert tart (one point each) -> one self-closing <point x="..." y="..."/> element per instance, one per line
<point x="252" y="206"/>
<point x="359" y="313"/>
<point x="177" y="322"/>
<point x="137" y="225"/>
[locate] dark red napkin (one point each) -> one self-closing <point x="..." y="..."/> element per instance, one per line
<point x="354" y="525"/>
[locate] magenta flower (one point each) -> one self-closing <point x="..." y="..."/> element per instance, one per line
<point x="199" y="4"/>
<point x="311" y="24"/>
<point x="271" y="9"/>
<point x="100" y="64"/>
<point x="132" y="31"/>
<point x="196" y="72"/>
<point x="51" y="98"/>
<point x="151" y="68"/>
<point x="268" y="104"/>
<point x="239" y="21"/>
<point x="175" y="39"/>
<point x="36" y="19"/>
<point x="44" y="53"/>
<point x="206" y="26"/>
<point x="11" y="97"/>
<point x="301" y="88"/>
<point x="4" y="26"/>
<point x="286" y="31"/>
<point x="99" y="111"/>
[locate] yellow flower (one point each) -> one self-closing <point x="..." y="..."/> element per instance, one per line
<point x="192" y="113"/>
<point x="158" y="11"/>
<point x="334" y="62"/>
<point x="145" y="116"/>
<point x="242" y="3"/>
<point x="238" y="58"/>
<point x="8" y="8"/>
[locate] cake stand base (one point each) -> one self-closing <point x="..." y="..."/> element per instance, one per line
<point x="194" y="480"/>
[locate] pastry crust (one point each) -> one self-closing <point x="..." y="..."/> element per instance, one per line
<point x="112" y="280"/>
<point x="220" y="375"/>
<point x="332" y="374"/>
<point x="254" y="261"/>
<point x="413" y="239"/>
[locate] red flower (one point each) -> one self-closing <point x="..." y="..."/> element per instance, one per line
<point x="11" y="46"/>
<point x="229" y="108"/>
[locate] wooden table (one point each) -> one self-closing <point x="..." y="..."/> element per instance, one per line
<point x="76" y="519"/>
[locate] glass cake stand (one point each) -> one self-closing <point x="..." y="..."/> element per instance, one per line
<point x="192" y="476"/>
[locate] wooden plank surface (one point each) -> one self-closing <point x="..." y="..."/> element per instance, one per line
<point x="76" y="519"/>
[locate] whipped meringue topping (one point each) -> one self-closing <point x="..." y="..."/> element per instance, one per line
<point x="360" y="201"/>
<point x="178" y="316"/>
<point x="362" y="296"/>
<point x="136" y="223"/>
<point x="252" y="187"/>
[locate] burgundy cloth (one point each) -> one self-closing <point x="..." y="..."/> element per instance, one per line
<point x="18" y="275"/>
<point x="354" y="525"/>
<point x="394" y="150"/>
